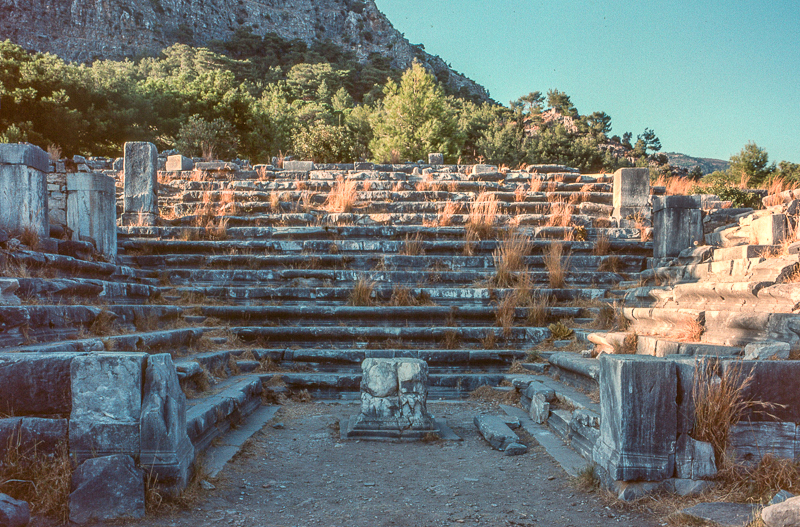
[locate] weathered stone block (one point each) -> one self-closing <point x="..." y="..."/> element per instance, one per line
<point x="639" y="418"/>
<point x="631" y="191"/>
<point x="92" y="210"/>
<point x="540" y="409"/>
<point x="677" y="225"/>
<point x="7" y="288"/>
<point x="106" y="404"/>
<point x="298" y="166"/>
<point x="767" y="350"/>
<point x="436" y="159"/>
<point x="495" y="431"/>
<point x="14" y="513"/>
<point x="23" y="189"/>
<point x="784" y="514"/>
<point x="165" y="445"/>
<point x="179" y="163"/>
<point x="141" y="184"/>
<point x="768" y="230"/>
<point x="35" y="383"/>
<point x="754" y="439"/>
<point x="393" y="400"/>
<point x="106" y="488"/>
<point x="483" y="169"/>
<point x="694" y="459"/>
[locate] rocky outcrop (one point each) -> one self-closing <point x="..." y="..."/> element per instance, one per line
<point x="87" y="30"/>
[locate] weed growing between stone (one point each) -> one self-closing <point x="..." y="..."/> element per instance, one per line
<point x="557" y="264"/>
<point x="587" y="479"/>
<point x="343" y="196"/>
<point x="488" y="394"/>
<point x="509" y="258"/>
<point x="482" y="216"/>
<point x="362" y="293"/>
<point x="601" y="245"/>
<point x="43" y="480"/>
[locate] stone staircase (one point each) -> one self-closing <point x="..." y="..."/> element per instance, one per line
<point x="267" y="283"/>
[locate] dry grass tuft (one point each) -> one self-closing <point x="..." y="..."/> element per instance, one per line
<point x="719" y="404"/>
<point x="343" y="196"/>
<point x="412" y="246"/>
<point x="759" y="482"/>
<point x="506" y="312"/>
<point x="509" y="258"/>
<point x="489" y="342"/>
<point x="361" y="295"/>
<point x="520" y="193"/>
<point x="30" y="237"/>
<point x="538" y="309"/>
<point x="629" y="345"/>
<point x="587" y="479"/>
<point x="447" y="212"/>
<point x="560" y="213"/>
<point x="217" y="230"/>
<point x="610" y="264"/>
<point x="43" y="480"/>
<point x="53" y="152"/>
<point x="601" y="245"/>
<point x="689" y="330"/>
<point x="451" y="340"/>
<point x="488" y="394"/>
<point x="557" y="264"/>
<point x="103" y="324"/>
<point x="482" y="216"/>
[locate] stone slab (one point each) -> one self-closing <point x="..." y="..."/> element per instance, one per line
<point x="298" y="166"/>
<point x="353" y="429"/>
<point x="495" y="431"/>
<point x="24" y="200"/>
<point x="36" y="384"/>
<point x="14" y="513"/>
<point x="179" y="163"/>
<point x="24" y="154"/>
<point x="570" y="461"/>
<point x="141" y="181"/>
<point x="631" y="191"/>
<point x="723" y="513"/>
<point x="92" y="210"/>
<point x="221" y="452"/>
<point x="107" y="488"/>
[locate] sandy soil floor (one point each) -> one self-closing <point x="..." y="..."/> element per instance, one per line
<point x="301" y="474"/>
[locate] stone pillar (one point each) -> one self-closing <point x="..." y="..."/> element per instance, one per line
<point x="436" y="159"/>
<point x="141" y="184"/>
<point x="394" y="396"/>
<point x="677" y="225"/>
<point x="165" y="445"/>
<point x="92" y="210"/>
<point x="638" y="424"/>
<point x="631" y="192"/>
<point x="23" y="189"/>
<point x="106" y="404"/>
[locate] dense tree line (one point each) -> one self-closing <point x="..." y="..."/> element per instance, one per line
<point x="256" y="97"/>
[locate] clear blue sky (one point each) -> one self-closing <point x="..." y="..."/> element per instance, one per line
<point x="708" y="76"/>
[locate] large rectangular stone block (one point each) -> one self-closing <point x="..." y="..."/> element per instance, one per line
<point x="638" y="428"/>
<point x="768" y="230"/>
<point x="23" y="189"/>
<point x="165" y="446"/>
<point x="141" y="184"/>
<point x="677" y="225"/>
<point x="631" y="191"/>
<point x="92" y="210"/>
<point x="36" y="383"/>
<point x="298" y="166"/>
<point x="179" y="163"/>
<point x="106" y="404"/>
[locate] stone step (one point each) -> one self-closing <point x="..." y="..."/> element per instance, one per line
<point x="659" y="346"/>
<point x="347" y="278"/>
<point x="173" y="341"/>
<point x="382" y="336"/>
<point x="29" y="324"/>
<point x="321" y="315"/>
<point x="365" y="261"/>
<point x="79" y="289"/>
<point x="231" y="401"/>
<point x="438" y="294"/>
<point x="347" y="385"/>
<point x="575" y="370"/>
<point x="24" y="263"/>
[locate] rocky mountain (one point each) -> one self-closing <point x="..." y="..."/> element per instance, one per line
<point x="707" y="165"/>
<point x="88" y="30"/>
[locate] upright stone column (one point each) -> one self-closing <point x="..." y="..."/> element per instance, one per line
<point x="638" y="424"/>
<point x="165" y="445"/>
<point x="631" y="192"/>
<point x="677" y="224"/>
<point x="393" y="401"/>
<point x="141" y="184"/>
<point x="23" y="188"/>
<point x="92" y="210"/>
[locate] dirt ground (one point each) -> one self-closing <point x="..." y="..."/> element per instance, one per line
<point x="301" y="474"/>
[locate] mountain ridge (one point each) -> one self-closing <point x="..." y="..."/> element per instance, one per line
<point x="89" y="30"/>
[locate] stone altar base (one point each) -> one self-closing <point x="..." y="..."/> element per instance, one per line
<point x="394" y="394"/>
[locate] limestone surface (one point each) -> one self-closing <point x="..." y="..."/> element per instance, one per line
<point x="106" y="488"/>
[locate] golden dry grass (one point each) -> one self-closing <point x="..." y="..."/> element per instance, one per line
<point x="560" y="213"/>
<point x="361" y="295"/>
<point x="509" y="258"/>
<point x="610" y="264"/>
<point x="412" y="245"/>
<point x="343" y="196"/>
<point x="505" y="312"/>
<point x="482" y="216"/>
<point x="486" y="393"/>
<point x="451" y="340"/>
<point x="447" y="212"/>
<point x="43" y="480"/>
<point x="601" y="245"/>
<point x="689" y="330"/>
<point x="557" y="264"/>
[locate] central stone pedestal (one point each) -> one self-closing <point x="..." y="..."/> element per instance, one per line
<point x="394" y="394"/>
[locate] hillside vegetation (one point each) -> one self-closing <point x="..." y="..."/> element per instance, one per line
<point x="258" y="97"/>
